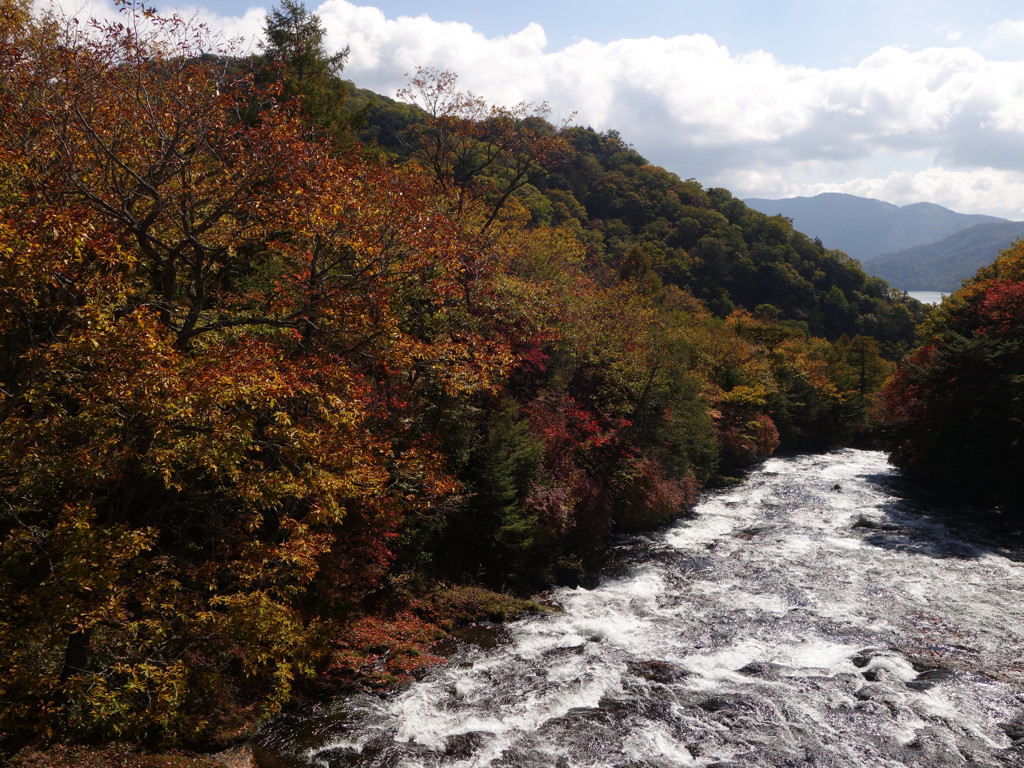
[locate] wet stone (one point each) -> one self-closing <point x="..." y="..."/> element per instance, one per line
<point x="462" y="746"/>
<point x="873" y="692"/>
<point x="339" y="757"/>
<point x="763" y="669"/>
<point x="612" y="704"/>
<point x="565" y="650"/>
<point x="880" y="675"/>
<point x="658" y="671"/>
<point x="383" y="750"/>
<point x="446" y="647"/>
<point x="480" y="635"/>
<point x="921" y="664"/>
<point x="715" y="704"/>
<point x="846" y="681"/>
<point x="928" y="680"/>
<point x="1014" y="730"/>
<point x="937" y="749"/>
<point x="865" y="656"/>
<point x="749" y="533"/>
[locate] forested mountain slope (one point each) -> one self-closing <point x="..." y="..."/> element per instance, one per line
<point x="724" y="252"/>
<point x="640" y="220"/>
<point x="944" y="265"/>
<point x="280" y="410"/>
<point x="953" y="413"/>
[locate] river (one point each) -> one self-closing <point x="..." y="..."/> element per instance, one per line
<point x="809" y="617"/>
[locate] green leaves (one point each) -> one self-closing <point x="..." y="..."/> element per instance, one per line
<point x="952" y="414"/>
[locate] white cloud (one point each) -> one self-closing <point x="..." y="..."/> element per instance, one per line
<point x="243" y="31"/>
<point x="985" y="190"/>
<point x="83" y="10"/>
<point x="1010" y="31"/>
<point x="741" y="121"/>
<point x="714" y="97"/>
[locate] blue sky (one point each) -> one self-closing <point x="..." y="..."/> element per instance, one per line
<point x="902" y="100"/>
<point x="801" y="32"/>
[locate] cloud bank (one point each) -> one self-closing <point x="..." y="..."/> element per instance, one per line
<point x="944" y="125"/>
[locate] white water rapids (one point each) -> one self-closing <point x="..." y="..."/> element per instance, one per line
<point x="809" y="617"/>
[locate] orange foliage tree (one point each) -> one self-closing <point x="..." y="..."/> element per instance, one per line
<point x="214" y="332"/>
<point x="478" y="154"/>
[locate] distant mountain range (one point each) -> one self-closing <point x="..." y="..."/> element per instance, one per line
<point x="941" y="266"/>
<point x="918" y="247"/>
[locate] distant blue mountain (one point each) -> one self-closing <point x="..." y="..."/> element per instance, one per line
<point x="942" y="266"/>
<point x="911" y="246"/>
<point x="863" y="227"/>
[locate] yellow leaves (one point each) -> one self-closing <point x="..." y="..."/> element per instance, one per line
<point x="470" y="364"/>
<point x="93" y="553"/>
<point x="273" y="634"/>
<point x="107" y="702"/>
<point x="181" y="497"/>
<point x="746" y="396"/>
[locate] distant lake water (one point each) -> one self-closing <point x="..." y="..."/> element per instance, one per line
<point x="927" y="297"/>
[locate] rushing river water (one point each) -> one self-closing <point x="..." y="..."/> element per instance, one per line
<point x="810" y="617"/>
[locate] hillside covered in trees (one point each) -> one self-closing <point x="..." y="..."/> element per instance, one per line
<point x="944" y="265"/>
<point x="293" y="379"/>
<point x="647" y="224"/>
<point x="954" y="412"/>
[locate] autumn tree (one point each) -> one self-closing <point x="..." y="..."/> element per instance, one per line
<point x="477" y="152"/>
<point x="215" y="331"/>
<point x="260" y="393"/>
<point x="14" y="22"/>
<point x="952" y="413"/>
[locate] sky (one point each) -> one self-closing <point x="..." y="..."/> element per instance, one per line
<point x="901" y="100"/>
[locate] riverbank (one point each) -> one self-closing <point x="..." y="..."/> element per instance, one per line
<point x="819" y="613"/>
<point x="460" y="614"/>
<point x="812" y="615"/>
<point x="126" y="756"/>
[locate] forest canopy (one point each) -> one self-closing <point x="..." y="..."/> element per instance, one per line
<point x="953" y="414"/>
<point x="294" y="378"/>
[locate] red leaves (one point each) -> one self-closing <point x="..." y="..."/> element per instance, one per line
<point x="384" y="651"/>
<point x="1002" y="307"/>
<point x="221" y="339"/>
<point x="569" y="426"/>
<point x="952" y="412"/>
<point x="746" y="438"/>
<point x="534" y="355"/>
<point x="647" y="497"/>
